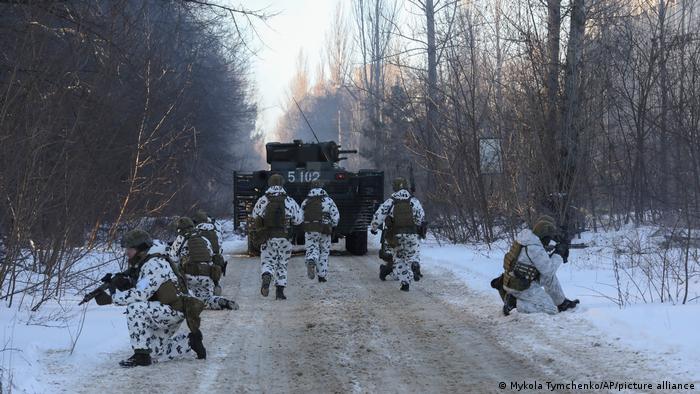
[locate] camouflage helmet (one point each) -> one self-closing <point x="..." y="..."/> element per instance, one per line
<point x="200" y="217"/>
<point x="545" y="228"/>
<point x="136" y="238"/>
<point x="399" y="183"/>
<point x="546" y="218"/>
<point x="317" y="183"/>
<point x="184" y="223"/>
<point x="275" y="180"/>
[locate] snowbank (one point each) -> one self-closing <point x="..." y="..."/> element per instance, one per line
<point x="60" y="338"/>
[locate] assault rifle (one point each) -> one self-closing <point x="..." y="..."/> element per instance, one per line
<point x="121" y="281"/>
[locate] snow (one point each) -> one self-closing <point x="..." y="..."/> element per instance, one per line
<point x="660" y="330"/>
<point x="37" y="345"/>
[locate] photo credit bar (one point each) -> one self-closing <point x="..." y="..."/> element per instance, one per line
<point x="590" y="385"/>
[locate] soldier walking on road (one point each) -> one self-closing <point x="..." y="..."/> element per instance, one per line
<point x="403" y="216"/>
<point x="194" y="253"/>
<point x="274" y="213"/>
<point x="321" y="216"/>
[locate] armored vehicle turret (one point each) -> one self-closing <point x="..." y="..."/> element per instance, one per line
<point x="357" y="194"/>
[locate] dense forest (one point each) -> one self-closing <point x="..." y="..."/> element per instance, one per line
<point x="115" y="110"/>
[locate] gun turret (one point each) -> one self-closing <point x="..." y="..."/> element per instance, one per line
<point x="285" y="156"/>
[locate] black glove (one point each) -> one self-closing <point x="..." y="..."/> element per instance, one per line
<point x="103" y="298"/>
<point x="107" y="278"/>
<point x="374" y="231"/>
<point x="120" y="282"/>
<point x="562" y="249"/>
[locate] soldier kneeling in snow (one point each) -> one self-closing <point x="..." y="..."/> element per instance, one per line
<point x="530" y="273"/>
<point x="194" y="253"/>
<point x="209" y="229"/>
<point x="155" y="303"/>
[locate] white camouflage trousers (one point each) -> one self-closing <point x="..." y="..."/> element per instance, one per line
<point x="406" y="252"/>
<point x="153" y="326"/>
<point x="318" y="247"/>
<point x="274" y="256"/>
<point x="202" y="287"/>
<point x="542" y="296"/>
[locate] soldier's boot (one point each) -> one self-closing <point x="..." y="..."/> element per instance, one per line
<point x="509" y="303"/>
<point x="384" y="270"/>
<point x="228" y="304"/>
<point x="404" y="286"/>
<point x="310" y="269"/>
<point x="321" y="279"/>
<point x="265" y="288"/>
<point x="141" y="358"/>
<point x="567" y="304"/>
<point x="280" y="293"/>
<point x="195" y="340"/>
<point x="415" y="267"/>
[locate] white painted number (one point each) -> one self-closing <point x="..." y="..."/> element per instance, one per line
<point x="304" y="176"/>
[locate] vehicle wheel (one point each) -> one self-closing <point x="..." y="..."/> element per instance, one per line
<point x="356" y="243"/>
<point x="300" y="237"/>
<point x="253" y="248"/>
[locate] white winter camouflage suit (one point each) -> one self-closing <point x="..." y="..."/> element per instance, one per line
<point x="546" y="293"/>
<point x="199" y="286"/>
<point x="408" y="249"/>
<point x="153" y="325"/>
<point x="275" y="253"/>
<point x="318" y="246"/>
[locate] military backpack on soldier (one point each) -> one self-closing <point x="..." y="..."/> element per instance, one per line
<point x="213" y="238"/>
<point x="274" y="221"/>
<point x="516" y="275"/>
<point x="400" y="222"/>
<point x="315" y="220"/>
<point x="198" y="261"/>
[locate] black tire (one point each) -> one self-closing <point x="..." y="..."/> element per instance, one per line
<point x="253" y="249"/>
<point x="300" y="237"/>
<point x="356" y="243"/>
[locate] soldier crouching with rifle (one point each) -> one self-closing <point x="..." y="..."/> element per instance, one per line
<point x="156" y="303"/>
<point x="529" y="281"/>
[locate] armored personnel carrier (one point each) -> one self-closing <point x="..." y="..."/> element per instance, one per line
<point x="357" y="194"/>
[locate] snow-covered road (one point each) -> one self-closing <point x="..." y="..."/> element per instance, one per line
<point x="358" y="334"/>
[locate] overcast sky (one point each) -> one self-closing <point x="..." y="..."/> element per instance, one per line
<point x="300" y="24"/>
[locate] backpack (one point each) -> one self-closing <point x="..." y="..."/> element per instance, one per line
<point x="197" y="247"/>
<point x="315" y="220"/>
<point x="401" y="221"/>
<point x="213" y="239"/>
<point x="517" y="276"/>
<point x="275" y="218"/>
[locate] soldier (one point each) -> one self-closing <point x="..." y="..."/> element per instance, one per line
<point x="530" y="272"/>
<point x="321" y="216"/>
<point x="273" y="213"/>
<point x="206" y="227"/>
<point x="194" y="253"/>
<point x="404" y="216"/>
<point x="151" y="319"/>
